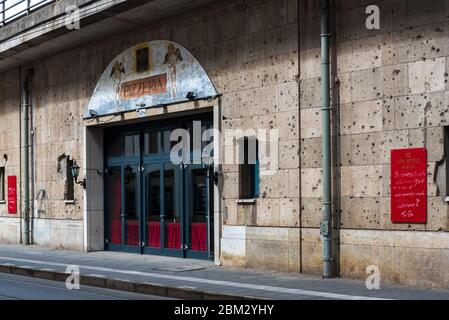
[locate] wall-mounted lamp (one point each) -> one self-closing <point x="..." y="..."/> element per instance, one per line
<point x="191" y="96"/>
<point x="93" y="113"/>
<point x="75" y="172"/>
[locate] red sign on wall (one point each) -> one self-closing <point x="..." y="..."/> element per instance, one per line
<point x="409" y="186"/>
<point x="12" y="194"/>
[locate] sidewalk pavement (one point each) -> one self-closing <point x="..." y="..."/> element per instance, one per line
<point x="191" y="279"/>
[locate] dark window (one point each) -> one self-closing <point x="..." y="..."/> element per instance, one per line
<point x="199" y="196"/>
<point x="248" y="168"/>
<point x="132" y="147"/>
<point x="130" y="199"/>
<point x="142" y="63"/>
<point x="152" y="142"/>
<point x="115" y="146"/>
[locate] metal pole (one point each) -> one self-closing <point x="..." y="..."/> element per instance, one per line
<point x="26" y="158"/>
<point x="326" y="223"/>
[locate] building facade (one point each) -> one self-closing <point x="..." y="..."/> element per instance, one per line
<point x="110" y="104"/>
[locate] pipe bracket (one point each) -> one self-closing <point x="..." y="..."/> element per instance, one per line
<point x="324" y="228"/>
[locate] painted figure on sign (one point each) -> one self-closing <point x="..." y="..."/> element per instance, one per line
<point x="171" y="59"/>
<point x="116" y="75"/>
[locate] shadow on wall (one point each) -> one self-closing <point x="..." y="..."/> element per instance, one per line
<point x="41" y="196"/>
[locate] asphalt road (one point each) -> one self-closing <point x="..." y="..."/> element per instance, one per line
<point x="14" y="287"/>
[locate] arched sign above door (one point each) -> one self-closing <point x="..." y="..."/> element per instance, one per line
<point x="150" y="74"/>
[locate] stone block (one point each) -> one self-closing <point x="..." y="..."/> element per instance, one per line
<point x="360" y="213"/>
<point x="288" y="96"/>
<point x="395" y="80"/>
<point x="268" y="233"/>
<point x="311" y="152"/>
<point x="293" y="183"/>
<point x="361" y="181"/>
<point x="310" y="123"/>
<point x="310" y="63"/>
<point x="267" y="212"/>
<point x="312" y="183"/>
<point x="311" y="212"/>
<point x="289" y="154"/>
<point x="427" y="76"/>
<point x="289" y="212"/>
<point x="311" y="251"/>
<point x="273" y="184"/>
<point x="230" y="189"/>
<point x="230" y="212"/>
<point x="366" y="85"/>
<point x="233" y="245"/>
<point x="267" y="255"/>
<point x="286" y="124"/>
<point x="360" y="54"/>
<point x="310" y="94"/>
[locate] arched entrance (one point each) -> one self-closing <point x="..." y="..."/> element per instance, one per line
<point x="152" y="114"/>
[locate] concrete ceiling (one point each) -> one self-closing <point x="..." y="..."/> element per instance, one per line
<point x="103" y="24"/>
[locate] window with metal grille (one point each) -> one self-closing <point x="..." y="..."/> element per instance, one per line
<point x="249" y="168"/>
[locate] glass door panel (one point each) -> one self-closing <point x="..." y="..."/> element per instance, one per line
<point x="131" y="216"/>
<point x="114" y="204"/>
<point x="153" y="206"/>
<point x="197" y="213"/>
<point x="171" y="207"/>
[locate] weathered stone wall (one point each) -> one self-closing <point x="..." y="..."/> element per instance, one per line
<point x="392" y="94"/>
<point x="258" y="78"/>
<point x="10" y="150"/>
<point x="250" y="50"/>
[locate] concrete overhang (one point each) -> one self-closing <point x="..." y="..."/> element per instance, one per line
<point x="44" y="32"/>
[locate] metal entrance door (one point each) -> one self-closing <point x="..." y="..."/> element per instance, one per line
<point x="198" y="223"/>
<point x="123" y="197"/>
<point x="177" y="207"/>
<point x="153" y="205"/>
<point x="162" y="228"/>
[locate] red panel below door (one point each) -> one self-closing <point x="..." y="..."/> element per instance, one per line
<point x="116" y="232"/>
<point x="154" y="234"/>
<point x="198" y="236"/>
<point x="132" y="233"/>
<point x="173" y="236"/>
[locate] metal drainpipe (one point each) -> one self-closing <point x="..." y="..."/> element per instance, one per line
<point x="26" y="157"/>
<point x="326" y="223"/>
